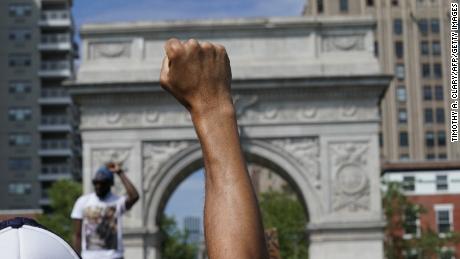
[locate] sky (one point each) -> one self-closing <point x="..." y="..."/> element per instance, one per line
<point x="188" y="198"/>
<point x="91" y="11"/>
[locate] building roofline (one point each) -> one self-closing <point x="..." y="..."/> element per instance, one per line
<point x="223" y="24"/>
<point x="419" y="166"/>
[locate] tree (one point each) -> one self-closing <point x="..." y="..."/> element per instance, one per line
<point x="63" y="195"/>
<point x="175" y="244"/>
<point x="283" y="212"/>
<point x="399" y="213"/>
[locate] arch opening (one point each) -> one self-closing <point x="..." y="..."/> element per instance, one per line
<point x="283" y="189"/>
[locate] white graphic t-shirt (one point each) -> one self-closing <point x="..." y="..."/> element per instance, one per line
<point x="101" y="233"/>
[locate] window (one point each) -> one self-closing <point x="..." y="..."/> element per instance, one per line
<point x="435" y="26"/>
<point x="376" y="48"/>
<point x="320" y="6"/>
<point x="408" y="183"/>
<point x="19" y="164"/>
<point x="439" y="93"/>
<point x="380" y="139"/>
<point x="402" y="116"/>
<point x="19" y="60"/>
<point x="426" y="71"/>
<point x="343" y="5"/>
<point x="403" y="139"/>
<point x="436" y="48"/>
<point x="397" y="26"/>
<point x="442" y="156"/>
<point x="411" y="254"/>
<point x="441" y="139"/>
<point x="20" y="188"/>
<point x="20" y="10"/>
<point x="430" y="156"/>
<point x="401" y="94"/>
<point x="447" y="253"/>
<point x="20" y="139"/>
<point x="19" y="114"/>
<point x="427" y="93"/>
<point x="423" y="26"/>
<point x="429" y="139"/>
<point x="370" y="2"/>
<point x="19" y="35"/>
<point x="428" y="115"/>
<point x="400" y="71"/>
<point x="424" y="48"/>
<point x="399" y="49"/>
<point x="443" y="218"/>
<point x="394" y="2"/>
<point x="410" y="222"/>
<point x="441" y="183"/>
<point x="404" y="157"/>
<point x="437" y="69"/>
<point x="440" y="118"/>
<point x="19" y="87"/>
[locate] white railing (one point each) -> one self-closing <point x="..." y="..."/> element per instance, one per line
<point x="54" y="93"/>
<point x="54" y="65"/>
<point x="55" y="169"/>
<point x="55" y="144"/>
<point x="55" y="15"/>
<point x="54" y="120"/>
<point x="55" y="38"/>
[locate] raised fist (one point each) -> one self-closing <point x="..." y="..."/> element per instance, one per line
<point x="197" y="74"/>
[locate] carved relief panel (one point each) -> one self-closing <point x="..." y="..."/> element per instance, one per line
<point x="155" y="154"/>
<point x="109" y="49"/>
<point x="350" y="189"/>
<point x="306" y="152"/>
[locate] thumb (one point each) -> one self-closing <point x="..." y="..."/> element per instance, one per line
<point x="164" y="78"/>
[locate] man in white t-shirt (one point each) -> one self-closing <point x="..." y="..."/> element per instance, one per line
<point x="98" y="216"/>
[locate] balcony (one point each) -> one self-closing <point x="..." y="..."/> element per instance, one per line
<point x="55" y="69"/>
<point x="55" y="123"/>
<point x="55" y="42"/>
<point x="54" y="172"/>
<point x="54" y="96"/>
<point x="55" y="148"/>
<point x="55" y="19"/>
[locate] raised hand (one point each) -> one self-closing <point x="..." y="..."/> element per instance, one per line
<point x="197" y="74"/>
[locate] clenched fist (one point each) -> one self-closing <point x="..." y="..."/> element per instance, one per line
<point x="197" y="74"/>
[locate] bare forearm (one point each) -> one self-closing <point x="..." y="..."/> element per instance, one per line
<point x="229" y="194"/>
<point x="133" y="195"/>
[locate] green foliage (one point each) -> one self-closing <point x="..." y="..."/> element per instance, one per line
<point x="285" y="213"/>
<point x="63" y="195"/>
<point x="397" y="208"/>
<point x="175" y="244"/>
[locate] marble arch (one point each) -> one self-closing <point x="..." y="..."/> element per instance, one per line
<point x="306" y="91"/>
<point x="186" y="161"/>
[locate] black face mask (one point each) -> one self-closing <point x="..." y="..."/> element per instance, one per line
<point x="102" y="188"/>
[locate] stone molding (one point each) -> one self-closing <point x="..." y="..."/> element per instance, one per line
<point x="250" y="110"/>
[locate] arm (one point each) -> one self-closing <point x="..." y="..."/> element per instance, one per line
<point x="199" y="76"/>
<point x="77" y="235"/>
<point x="133" y="195"/>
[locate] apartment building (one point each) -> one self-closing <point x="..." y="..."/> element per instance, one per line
<point x="412" y="41"/>
<point x="39" y="141"/>
<point x="436" y="187"/>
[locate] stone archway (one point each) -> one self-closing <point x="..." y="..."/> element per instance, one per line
<point x="311" y="112"/>
<point x="187" y="160"/>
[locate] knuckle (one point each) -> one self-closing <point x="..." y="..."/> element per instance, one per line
<point x="221" y="49"/>
<point x="193" y="43"/>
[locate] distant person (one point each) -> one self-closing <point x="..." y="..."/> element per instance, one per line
<point x="198" y="75"/>
<point x="98" y="216"/>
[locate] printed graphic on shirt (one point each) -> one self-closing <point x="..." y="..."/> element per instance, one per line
<point x="100" y="228"/>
